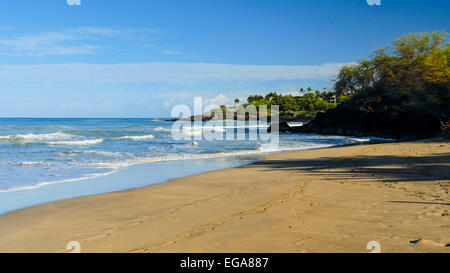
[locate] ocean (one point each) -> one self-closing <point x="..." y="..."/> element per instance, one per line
<point x="44" y="160"/>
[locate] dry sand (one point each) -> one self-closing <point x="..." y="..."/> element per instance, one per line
<point x="326" y="200"/>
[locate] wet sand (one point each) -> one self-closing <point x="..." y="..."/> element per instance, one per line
<point x="325" y="200"/>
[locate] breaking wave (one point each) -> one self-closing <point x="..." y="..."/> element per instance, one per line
<point x="77" y="142"/>
<point x="35" y="137"/>
<point x="136" y="138"/>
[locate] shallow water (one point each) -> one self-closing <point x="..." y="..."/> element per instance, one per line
<point x="44" y="160"/>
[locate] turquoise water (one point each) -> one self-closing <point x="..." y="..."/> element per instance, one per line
<point x="44" y="160"/>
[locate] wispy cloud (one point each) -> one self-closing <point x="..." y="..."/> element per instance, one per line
<point x="176" y="73"/>
<point x="74" y="41"/>
<point x="142" y="89"/>
<point x="220" y="99"/>
<point x="171" y="52"/>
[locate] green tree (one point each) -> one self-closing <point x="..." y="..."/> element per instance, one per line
<point x="410" y="76"/>
<point x="254" y="98"/>
<point x="412" y="63"/>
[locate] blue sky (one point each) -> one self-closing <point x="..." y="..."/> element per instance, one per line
<point x="138" y="58"/>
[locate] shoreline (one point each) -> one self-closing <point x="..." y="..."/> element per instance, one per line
<point x="79" y="187"/>
<point x="267" y="203"/>
<point x="57" y="186"/>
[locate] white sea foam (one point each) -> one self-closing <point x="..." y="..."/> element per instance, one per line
<point x="31" y="163"/>
<point x="24" y="163"/>
<point x="136" y="138"/>
<point x="113" y="165"/>
<point x="264" y="148"/>
<point x="35" y="137"/>
<point x="198" y="130"/>
<point x="295" y="124"/>
<point x="95" y="152"/>
<point x="162" y="129"/>
<point x="77" y="142"/>
<point x="261" y="149"/>
<point x="41" y="184"/>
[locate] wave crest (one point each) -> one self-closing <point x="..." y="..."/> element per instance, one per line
<point x="136" y="138"/>
<point x="77" y="142"/>
<point x="35" y="137"/>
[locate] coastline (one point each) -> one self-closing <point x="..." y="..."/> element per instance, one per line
<point x="136" y="176"/>
<point x="320" y="200"/>
<point x="130" y="177"/>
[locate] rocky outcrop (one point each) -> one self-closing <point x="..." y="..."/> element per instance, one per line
<point x="355" y="121"/>
<point x="346" y="120"/>
<point x="284" y="127"/>
<point x="400" y="114"/>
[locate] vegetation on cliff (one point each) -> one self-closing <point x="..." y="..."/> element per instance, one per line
<point x="401" y="91"/>
<point x="303" y="106"/>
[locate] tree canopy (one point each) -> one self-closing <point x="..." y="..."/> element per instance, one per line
<point x="400" y="91"/>
<point x="412" y="63"/>
<point x="412" y="74"/>
<point x="304" y="105"/>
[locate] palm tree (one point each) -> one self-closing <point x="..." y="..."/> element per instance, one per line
<point x="236" y="101"/>
<point x="309" y="89"/>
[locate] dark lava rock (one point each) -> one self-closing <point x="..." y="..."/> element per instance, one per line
<point x="283" y="127"/>
<point x="351" y="121"/>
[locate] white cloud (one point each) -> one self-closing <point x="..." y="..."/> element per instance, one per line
<point x="169" y="97"/>
<point x="74" y="41"/>
<point x="175" y="73"/>
<point x="220" y="99"/>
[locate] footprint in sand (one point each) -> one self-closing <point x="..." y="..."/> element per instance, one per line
<point x="169" y="243"/>
<point x="425" y="242"/>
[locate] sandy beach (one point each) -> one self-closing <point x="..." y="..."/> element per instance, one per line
<point x="324" y="200"/>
